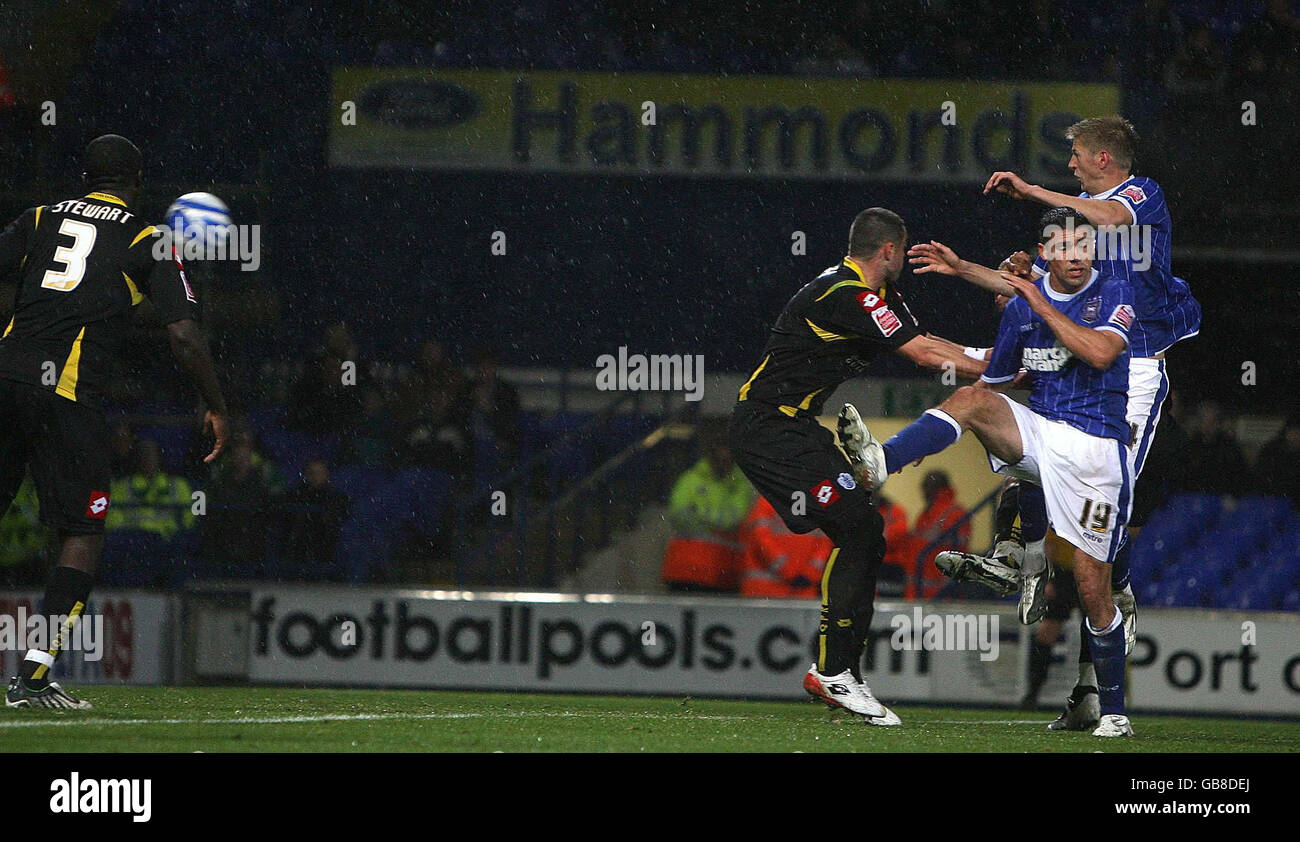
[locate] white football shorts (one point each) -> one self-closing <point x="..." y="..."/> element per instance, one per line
<point x="1086" y="480"/>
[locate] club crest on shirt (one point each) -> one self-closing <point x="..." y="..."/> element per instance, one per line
<point x="1091" y="308"/>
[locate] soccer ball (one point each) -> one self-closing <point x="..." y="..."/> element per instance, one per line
<point x="199" y="216"/>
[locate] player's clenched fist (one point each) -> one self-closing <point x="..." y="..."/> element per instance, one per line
<point x="1029" y="291"/>
<point x="1019" y="264"/>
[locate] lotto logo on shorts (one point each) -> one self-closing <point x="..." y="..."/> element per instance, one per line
<point x="824" y="493"/>
<point x="97" y="507"/>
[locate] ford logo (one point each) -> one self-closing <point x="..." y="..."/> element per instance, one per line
<point x="414" y="104"/>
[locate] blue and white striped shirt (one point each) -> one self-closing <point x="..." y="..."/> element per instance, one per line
<point x="1140" y="253"/>
<point x="1065" y="388"/>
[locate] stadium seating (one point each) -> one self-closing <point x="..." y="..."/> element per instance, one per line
<point x="1206" y="551"/>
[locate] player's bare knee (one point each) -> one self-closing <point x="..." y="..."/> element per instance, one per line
<point x="962" y="405"/>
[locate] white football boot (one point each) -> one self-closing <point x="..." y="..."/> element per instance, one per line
<point x="1082" y="711"/>
<point x="866" y="454"/>
<point x="845" y="691"/>
<point x="1114" y="725"/>
<point x="990" y="572"/>
<point x="1127" y="605"/>
<point x="1011" y="553"/>
<point x="1035" y="573"/>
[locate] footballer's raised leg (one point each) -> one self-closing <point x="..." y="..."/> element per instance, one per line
<point x="1001" y="571"/>
<point x="794" y="461"/>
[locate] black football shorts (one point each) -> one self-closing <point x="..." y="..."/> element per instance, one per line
<point x="66" y="446"/>
<point x="796" y="465"/>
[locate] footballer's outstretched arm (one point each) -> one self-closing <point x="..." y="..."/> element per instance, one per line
<point x="191" y="350"/>
<point x="934" y="256"/>
<point x="973" y="353"/>
<point x="1098" y="348"/>
<point x="935" y="353"/>
<point x="1098" y="211"/>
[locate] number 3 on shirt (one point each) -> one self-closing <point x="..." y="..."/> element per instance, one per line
<point x="72" y="257"/>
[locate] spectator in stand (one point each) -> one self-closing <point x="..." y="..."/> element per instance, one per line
<point x="371" y="443"/>
<point x="236" y="526"/>
<point x="323" y="401"/>
<point x="315" y="513"/>
<point x="1213" y="462"/>
<point x="776" y="562"/>
<point x="898" y="545"/>
<point x="492" y="407"/>
<point x="434" y="437"/>
<point x="942" y="512"/>
<point x="431" y="371"/>
<point x="705" y="509"/>
<point x="1279" y="463"/>
<point x="150" y="499"/>
<point x="1199" y="70"/>
<point x="266" y="468"/>
<point x="122" y="451"/>
<point x="22" y="539"/>
<point x="7" y="98"/>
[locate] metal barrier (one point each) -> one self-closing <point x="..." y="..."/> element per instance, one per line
<point x="945" y="539"/>
<point x="479" y="561"/>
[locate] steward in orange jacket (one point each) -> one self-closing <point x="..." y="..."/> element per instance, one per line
<point x="776" y="562"/>
<point x="898" y="542"/>
<point x="706" y="507"/>
<point x="941" y="511"/>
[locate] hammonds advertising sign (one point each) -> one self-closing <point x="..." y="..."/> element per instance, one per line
<point x="732" y="126"/>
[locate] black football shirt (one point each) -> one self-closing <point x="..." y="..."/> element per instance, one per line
<point x="80" y="266"/>
<point x="828" y="332"/>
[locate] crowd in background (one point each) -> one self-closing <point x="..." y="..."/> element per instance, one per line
<point x="1174" y="60"/>
<point x="276" y="490"/>
<point x="728" y="539"/>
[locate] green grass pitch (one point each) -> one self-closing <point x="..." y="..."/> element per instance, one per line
<point x="261" y="719"/>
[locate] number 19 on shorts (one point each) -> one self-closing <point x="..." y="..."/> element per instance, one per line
<point x="1100" y="516"/>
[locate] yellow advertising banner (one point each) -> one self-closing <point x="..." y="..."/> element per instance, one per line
<point x="718" y="126"/>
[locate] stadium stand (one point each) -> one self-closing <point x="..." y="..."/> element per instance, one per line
<point x="1175" y="63"/>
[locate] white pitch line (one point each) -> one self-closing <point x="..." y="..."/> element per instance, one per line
<point x="358" y="717"/>
<point x="986" y="721"/>
<point x="367" y="717"/>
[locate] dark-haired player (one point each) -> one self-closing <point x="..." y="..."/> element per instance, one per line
<point x="1133" y="218"/>
<point x="830" y="331"/>
<point x="81" y="265"/>
<point x="1070" y="329"/>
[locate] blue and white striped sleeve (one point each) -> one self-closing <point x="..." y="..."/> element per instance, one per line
<point x="1004" y="365"/>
